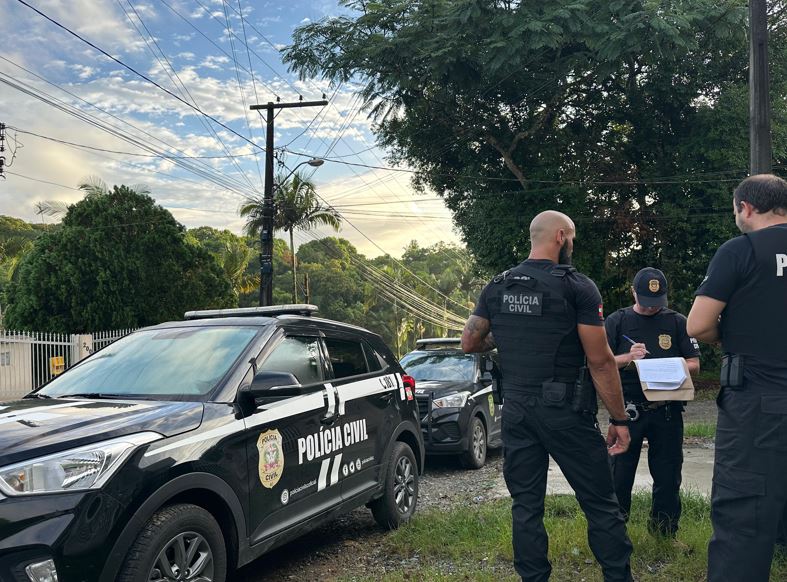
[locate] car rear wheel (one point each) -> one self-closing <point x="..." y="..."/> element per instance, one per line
<point x="400" y="493"/>
<point x="180" y="543"/>
<point x="475" y="455"/>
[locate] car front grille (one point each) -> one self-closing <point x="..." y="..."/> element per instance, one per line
<point x="423" y="407"/>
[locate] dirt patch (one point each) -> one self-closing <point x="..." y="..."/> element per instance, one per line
<point x="353" y="544"/>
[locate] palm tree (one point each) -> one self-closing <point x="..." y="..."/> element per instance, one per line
<point x="295" y="207"/>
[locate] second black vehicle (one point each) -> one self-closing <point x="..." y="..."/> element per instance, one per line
<point x="456" y="399"/>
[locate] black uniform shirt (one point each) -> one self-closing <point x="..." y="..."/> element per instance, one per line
<point x="730" y="273"/>
<point x="664" y="335"/>
<point x="587" y="298"/>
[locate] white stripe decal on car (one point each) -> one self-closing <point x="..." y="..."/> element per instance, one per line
<point x="321" y="482"/>
<point x="337" y="462"/>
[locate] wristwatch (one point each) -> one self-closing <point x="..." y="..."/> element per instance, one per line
<point x="615" y="422"/>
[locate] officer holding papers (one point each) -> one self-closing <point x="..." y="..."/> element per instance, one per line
<point x="649" y="342"/>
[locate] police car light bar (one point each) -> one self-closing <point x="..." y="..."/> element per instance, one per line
<point x="270" y="311"/>
<point x="438" y="341"/>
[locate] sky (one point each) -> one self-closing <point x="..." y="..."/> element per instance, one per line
<point x="73" y="114"/>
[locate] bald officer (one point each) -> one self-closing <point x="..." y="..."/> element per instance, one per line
<point x="743" y="303"/>
<point x="547" y="319"/>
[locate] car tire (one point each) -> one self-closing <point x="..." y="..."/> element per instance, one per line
<point x="400" y="492"/>
<point x="168" y="537"/>
<point x="475" y="455"/>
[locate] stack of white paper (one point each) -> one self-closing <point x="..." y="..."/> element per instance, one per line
<point x="662" y="373"/>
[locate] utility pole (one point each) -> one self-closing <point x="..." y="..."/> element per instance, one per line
<point x="2" y="149"/>
<point x="759" y="90"/>
<point x="266" y="232"/>
<point x="306" y="292"/>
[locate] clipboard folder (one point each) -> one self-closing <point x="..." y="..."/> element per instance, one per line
<point x="684" y="392"/>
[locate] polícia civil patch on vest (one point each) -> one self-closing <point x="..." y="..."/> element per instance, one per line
<point x="522" y="303"/>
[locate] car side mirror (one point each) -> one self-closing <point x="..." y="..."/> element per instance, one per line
<point x="273" y="383"/>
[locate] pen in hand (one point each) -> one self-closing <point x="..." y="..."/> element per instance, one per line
<point x="632" y="342"/>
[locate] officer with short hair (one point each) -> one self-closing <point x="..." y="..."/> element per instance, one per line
<point x="648" y="329"/>
<point x="547" y="319"/>
<point x="743" y="302"/>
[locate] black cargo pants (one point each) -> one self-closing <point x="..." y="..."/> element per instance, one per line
<point x="531" y="433"/>
<point x="749" y="482"/>
<point x="663" y="427"/>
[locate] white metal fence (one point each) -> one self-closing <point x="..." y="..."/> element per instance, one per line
<point x="30" y="359"/>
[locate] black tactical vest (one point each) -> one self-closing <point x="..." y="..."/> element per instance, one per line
<point x="658" y="332"/>
<point x="754" y="320"/>
<point x="533" y="321"/>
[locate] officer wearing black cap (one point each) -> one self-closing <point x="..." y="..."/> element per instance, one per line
<point x="547" y="319"/>
<point x="648" y="329"/>
<point x="743" y="303"/>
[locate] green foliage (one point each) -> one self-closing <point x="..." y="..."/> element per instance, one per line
<point x="706" y="430"/>
<point x="342" y="283"/>
<point x="630" y="116"/>
<point x="233" y="254"/>
<point x="118" y="260"/>
<point x="474" y="542"/>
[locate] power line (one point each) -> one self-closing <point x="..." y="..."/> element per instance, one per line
<point x="141" y="75"/>
<point x="178" y="83"/>
<point x="124" y="153"/>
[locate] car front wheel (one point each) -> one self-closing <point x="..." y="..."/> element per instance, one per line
<point x="400" y="493"/>
<point x="475" y="455"/>
<point x="180" y="543"/>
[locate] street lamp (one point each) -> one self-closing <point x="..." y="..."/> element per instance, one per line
<point x="266" y="234"/>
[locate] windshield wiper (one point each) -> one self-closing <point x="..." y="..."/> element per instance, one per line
<point x="95" y="395"/>
<point x="37" y="395"/>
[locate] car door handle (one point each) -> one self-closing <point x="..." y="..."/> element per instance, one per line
<point x="333" y="405"/>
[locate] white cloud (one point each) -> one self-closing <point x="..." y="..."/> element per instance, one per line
<point x="215" y="62"/>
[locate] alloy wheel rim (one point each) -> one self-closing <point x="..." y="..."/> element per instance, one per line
<point x="187" y="557"/>
<point x="404" y="485"/>
<point x="479" y="442"/>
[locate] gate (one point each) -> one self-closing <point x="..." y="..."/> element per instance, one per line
<point x="29" y="360"/>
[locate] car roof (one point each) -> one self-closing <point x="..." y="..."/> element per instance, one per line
<point x="259" y="317"/>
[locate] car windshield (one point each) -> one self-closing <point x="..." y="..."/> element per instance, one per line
<point x="439" y="366"/>
<point x="169" y="364"/>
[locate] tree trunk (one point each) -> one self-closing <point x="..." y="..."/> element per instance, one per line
<point x="294" y="273"/>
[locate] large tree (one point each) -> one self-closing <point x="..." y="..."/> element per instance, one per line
<point x="629" y="115"/>
<point x="117" y="261"/>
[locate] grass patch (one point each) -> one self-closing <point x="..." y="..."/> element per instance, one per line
<point x="700" y="429"/>
<point x="474" y="543"/>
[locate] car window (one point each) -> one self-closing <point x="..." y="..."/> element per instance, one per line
<point x="170" y="363"/>
<point x="347" y="357"/>
<point x="452" y="366"/>
<point x="374" y="360"/>
<point x="300" y="356"/>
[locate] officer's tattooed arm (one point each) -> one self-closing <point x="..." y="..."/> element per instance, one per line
<point x="476" y="336"/>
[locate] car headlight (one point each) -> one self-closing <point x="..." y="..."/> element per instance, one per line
<point x="456" y="400"/>
<point x="79" y="469"/>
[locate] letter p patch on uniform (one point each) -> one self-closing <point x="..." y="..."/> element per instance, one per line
<point x="781" y="263"/>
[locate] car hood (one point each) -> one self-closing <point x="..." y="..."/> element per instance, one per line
<point x="439" y="388"/>
<point x="33" y="428"/>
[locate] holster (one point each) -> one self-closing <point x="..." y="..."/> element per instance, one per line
<point x="584" y="398"/>
<point x="731" y="371"/>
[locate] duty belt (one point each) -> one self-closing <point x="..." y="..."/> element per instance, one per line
<point x="634" y="409"/>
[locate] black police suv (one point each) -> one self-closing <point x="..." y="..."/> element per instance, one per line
<point x="190" y="448"/>
<point x="456" y="401"/>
